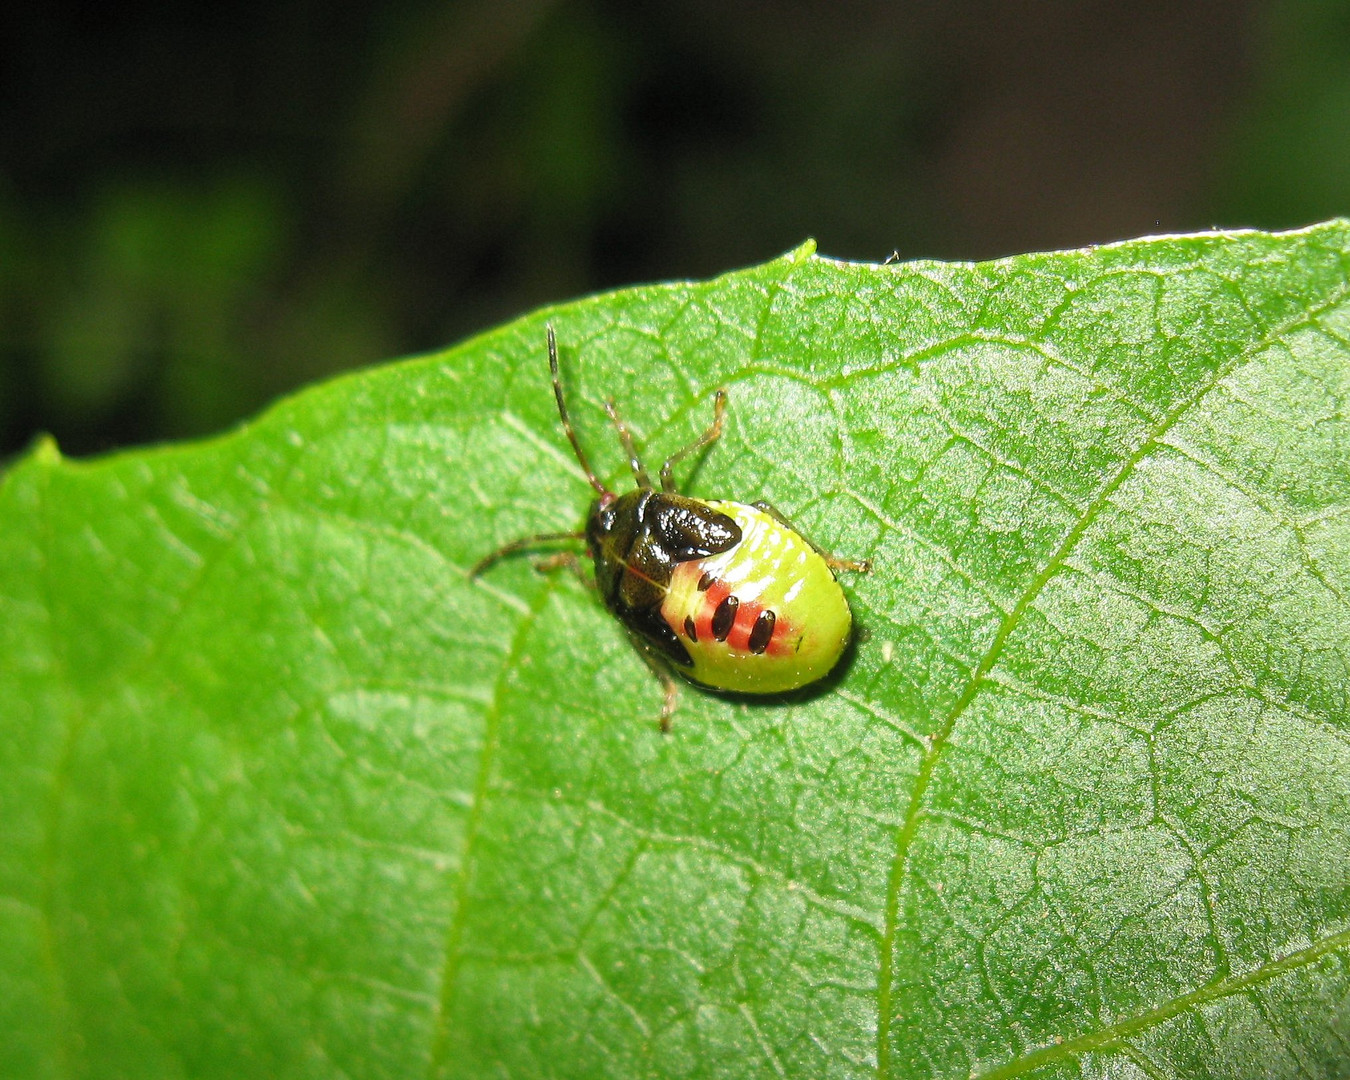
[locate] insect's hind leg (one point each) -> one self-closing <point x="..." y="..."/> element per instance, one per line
<point x="857" y="566"/>
<point x="709" y="437"/>
<point x="661" y="670"/>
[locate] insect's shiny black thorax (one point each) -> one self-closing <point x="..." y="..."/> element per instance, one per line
<point x="636" y="540"/>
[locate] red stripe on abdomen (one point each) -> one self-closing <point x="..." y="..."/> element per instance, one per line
<point x="738" y="639"/>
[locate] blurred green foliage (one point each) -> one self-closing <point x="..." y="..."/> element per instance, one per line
<point x="203" y="207"/>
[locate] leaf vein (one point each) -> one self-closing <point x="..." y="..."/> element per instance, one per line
<point x="454" y="935"/>
<point x="913" y="816"/>
<point x="1112" y="1036"/>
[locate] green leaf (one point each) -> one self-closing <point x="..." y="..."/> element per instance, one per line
<point x="283" y="793"/>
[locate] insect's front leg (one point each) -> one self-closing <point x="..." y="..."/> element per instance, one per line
<point x="626" y="439"/>
<point x="857" y="566"/>
<point x="709" y="437"/>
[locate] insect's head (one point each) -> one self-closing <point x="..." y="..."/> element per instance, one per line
<point x="611" y="525"/>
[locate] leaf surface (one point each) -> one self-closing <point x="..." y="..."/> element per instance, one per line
<point x="284" y="793"/>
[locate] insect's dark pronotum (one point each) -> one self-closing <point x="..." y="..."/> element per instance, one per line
<point x="728" y="594"/>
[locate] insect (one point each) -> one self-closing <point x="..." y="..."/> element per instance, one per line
<point x="728" y="594"/>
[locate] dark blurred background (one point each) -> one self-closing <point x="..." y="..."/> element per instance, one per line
<point x="204" y="205"/>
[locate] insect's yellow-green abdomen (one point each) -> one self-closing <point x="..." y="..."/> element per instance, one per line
<point x="764" y="617"/>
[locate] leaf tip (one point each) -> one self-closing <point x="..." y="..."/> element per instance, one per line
<point x="45" y="451"/>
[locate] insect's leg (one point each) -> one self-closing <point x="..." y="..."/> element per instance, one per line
<point x="709" y="437"/>
<point x="859" y="566"/>
<point x="672" y="694"/>
<point x="854" y="566"/>
<point x="626" y="438"/>
<point x="523" y="544"/>
<point x="662" y="671"/>
<point x="565" y="560"/>
<point x="557" y="561"/>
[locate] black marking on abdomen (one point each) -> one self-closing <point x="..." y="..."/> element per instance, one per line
<point x="691" y="632"/>
<point x="724" y="616"/>
<point x="705" y="581"/>
<point x="759" y="636"/>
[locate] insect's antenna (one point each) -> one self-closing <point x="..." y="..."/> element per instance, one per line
<point x="567" y="420"/>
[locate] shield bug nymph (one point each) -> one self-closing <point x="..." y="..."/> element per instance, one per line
<point x="728" y="594"/>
